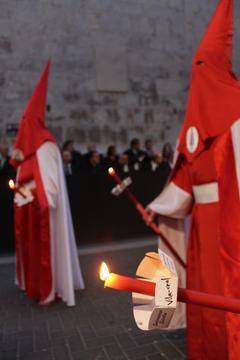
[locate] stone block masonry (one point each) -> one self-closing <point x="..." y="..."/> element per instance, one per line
<point x="156" y="38"/>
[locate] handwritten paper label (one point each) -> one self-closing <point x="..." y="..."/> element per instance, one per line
<point x="156" y="312"/>
<point x="160" y="318"/>
<point x="166" y="292"/>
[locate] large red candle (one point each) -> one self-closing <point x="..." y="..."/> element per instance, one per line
<point x="120" y="282"/>
<point x="124" y="283"/>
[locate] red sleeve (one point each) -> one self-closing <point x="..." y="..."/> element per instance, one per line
<point x="181" y="175"/>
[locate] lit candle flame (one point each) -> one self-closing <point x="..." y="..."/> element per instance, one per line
<point x="111" y="171"/>
<point x="104" y="272"/>
<point x="11" y="184"/>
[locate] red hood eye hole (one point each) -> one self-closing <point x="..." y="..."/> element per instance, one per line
<point x="199" y="62"/>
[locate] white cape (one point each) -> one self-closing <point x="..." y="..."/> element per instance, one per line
<point x="66" y="272"/>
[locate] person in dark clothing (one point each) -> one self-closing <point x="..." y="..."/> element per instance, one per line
<point x="158" y="172"/>
<point x="76" y="155"/>
<point x="159" y="165"/>
<point x="149" y="151"/>
<point x="67" y="163"/>
<point x="93" y="166"/>
<point x="7" y="172"/>
<point x="149" y="154"/>
<point x="123" y="167"/>
<point x="5" y="168"/>
<point x="167" y="153"/>
<point x="111" y="159"/>
<point x="86" y="157"/>
<point x="135" y="154"/>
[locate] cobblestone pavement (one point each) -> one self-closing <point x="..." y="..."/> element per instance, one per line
<point x="100" y="327"/>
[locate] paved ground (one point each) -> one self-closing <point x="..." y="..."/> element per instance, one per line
<point x="100" y="327"/>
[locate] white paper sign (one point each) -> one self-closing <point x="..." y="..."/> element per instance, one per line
<point x="156" y="312"/>
<point x="166" y="292"/>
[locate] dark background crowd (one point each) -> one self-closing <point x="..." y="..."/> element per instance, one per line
<point x="98" y="216"/>
<point x="133" y="159"/>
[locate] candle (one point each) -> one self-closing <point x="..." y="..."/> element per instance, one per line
<point x="12" y="186"/>
<point x="125" y="283"/>
<point x="118" y="180"/>
<point x="119" y="282"/>
<point x="112" y="173"/>
<point x="145" y="216"/>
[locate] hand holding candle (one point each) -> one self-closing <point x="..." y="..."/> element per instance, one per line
<point x="145" y="216"/>
<point x="13" y="186"/>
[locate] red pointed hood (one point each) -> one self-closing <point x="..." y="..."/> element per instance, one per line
<point x="216" y="45"/>
<point x="214" y="97"/>
<point x="32" y="132"/>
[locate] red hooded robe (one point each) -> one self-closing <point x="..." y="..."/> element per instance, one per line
<point x="46" y="253"/>
<point x="33" y="268"/>
<point x="205" y="182"/>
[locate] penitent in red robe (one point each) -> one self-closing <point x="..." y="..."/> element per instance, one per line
<point x="206" y="184"/>
<point x="47" y="264"/>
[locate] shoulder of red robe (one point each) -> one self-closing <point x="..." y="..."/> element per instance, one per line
<point x="191" y="143"/>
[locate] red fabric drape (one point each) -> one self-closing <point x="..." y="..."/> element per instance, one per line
<point x="229" y="233"/>
<point x="33" y="238"/>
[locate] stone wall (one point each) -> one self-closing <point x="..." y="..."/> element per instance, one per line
<point x="120" y="68"/>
